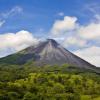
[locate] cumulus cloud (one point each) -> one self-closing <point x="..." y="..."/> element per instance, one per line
<point x="90" y="31"/>
<point x="74" y="41"/>
<point x="17" y="41"/>
<point x="75" y="34"/>
<point x="66" y="29"/>
<point x="91" y="54"/>
<point x="87" y="37"/>
<point x="62" y="26"/>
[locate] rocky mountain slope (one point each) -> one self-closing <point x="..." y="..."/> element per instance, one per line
<point x="48" y="52"/>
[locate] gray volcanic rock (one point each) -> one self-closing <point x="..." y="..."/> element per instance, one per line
<point x="47" y="53"/>
<point x="52" y="53"/>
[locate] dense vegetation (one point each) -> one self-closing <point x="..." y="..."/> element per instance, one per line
<point x="48" y="83"/>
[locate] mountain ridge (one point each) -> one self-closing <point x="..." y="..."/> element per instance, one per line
<point x="48" y="52"/>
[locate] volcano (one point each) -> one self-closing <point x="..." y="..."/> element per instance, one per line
<point x="48" y="52"/>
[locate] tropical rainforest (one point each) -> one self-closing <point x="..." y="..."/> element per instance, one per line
<point x="29" y="82"/>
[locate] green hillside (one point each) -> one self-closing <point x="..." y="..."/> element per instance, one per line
<point x="17" y="58"/>
<point x="28" y="82"/>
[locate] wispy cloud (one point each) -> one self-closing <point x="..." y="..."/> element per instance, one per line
<point x="93" y="8"/>
<point x="2" y="22"/>
<point x="12" y="12"/>
<point x="15" y="10"/>
<point x="60" y="14"/>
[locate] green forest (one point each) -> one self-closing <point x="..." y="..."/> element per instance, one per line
<point x="48" y="83"/>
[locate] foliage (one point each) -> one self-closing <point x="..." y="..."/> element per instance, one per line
<point x="29" y="82"/>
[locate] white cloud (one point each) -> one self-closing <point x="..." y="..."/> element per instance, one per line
<point x="67" y="29"/>
<point x="91" y="31"/>
<point x="74" y="41"/>
<point x="74" y="34"/>
<point x="17" y="41"/>
<point x="62" y="26"/>
<point x="91" y="54"/>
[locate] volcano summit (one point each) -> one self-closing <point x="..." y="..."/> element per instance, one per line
<point x="48" y="52"/>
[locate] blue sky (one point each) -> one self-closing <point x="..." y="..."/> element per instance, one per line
<point x="39" y="14"/>
<point x="73" y="23"/>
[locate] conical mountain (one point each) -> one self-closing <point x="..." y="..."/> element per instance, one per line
<point x="47" y="53"/>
